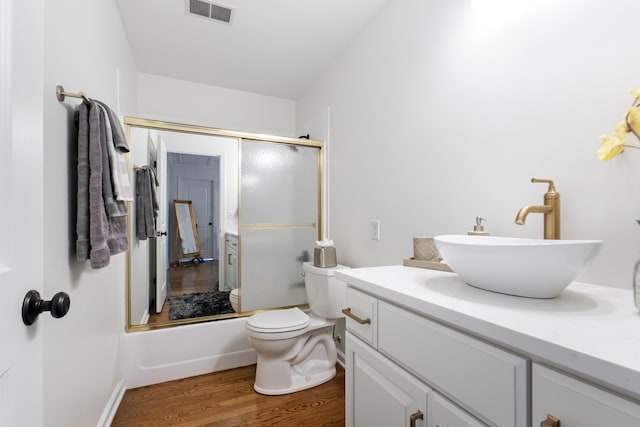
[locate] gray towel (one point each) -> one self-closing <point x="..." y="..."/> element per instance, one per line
<point x="117" y="147"/>
<point x="82" y="214"/>
<point x="98" y="235"/>
<point x="113" y="207"/>
<point x="146" y="203"/>
<point x="119" y="141"/>
<point x="99" y="254"/>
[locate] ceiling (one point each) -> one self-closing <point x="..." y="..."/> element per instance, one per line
<point x="271" y="47"/>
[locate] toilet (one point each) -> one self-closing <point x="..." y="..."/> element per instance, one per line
<point x="233" y="299"/>
<point x="295" y="349"/>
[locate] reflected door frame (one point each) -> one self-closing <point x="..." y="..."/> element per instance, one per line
<point x="162" y="253"/>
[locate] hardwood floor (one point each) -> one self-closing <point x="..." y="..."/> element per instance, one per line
<point x="188" y="279"/>
<point x="227" y="399"/>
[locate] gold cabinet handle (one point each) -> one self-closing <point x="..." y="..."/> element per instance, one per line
<point x="551" y="421"/>
<point x="418" y="415"/>
<point x="347" y="312"/>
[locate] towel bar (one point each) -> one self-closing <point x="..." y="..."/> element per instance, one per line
<point x="61" y="94"/>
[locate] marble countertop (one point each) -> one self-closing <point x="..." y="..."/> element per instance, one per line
<point x="589" y="330"/>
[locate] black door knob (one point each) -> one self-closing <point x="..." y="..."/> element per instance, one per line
<point x="161" y="233"/>
<point x="33" y="305"/>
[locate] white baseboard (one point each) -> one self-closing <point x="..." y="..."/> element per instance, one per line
<point x="111" y="408"/>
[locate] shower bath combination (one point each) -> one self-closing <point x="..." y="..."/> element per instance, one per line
<point x="268" y="197"/>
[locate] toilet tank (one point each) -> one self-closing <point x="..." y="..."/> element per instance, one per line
<point x="326" y="294"/>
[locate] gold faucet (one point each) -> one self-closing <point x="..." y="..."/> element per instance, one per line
<point x="550" y="209"/>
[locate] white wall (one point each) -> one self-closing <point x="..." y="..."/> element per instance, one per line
<point x="85" y="50"/>
<point x="168" y="99"/>
<point x="438" y="117"/>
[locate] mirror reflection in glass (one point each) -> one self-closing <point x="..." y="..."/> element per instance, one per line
<point x="187" y="230"/>
<point x="239" y="255"/>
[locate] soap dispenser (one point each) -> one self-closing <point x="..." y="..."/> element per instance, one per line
<point x="478" y="229"/>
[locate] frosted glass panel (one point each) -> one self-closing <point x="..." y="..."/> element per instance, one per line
<point x="271" y="266"/>
<point x="279" y="183"/>
<point x="279" y="220"/>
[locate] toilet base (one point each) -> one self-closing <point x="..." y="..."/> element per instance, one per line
<point x="294" y="364"/>
<point x="300" y="382"/>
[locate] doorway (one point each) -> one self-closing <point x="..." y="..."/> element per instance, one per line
<point x="196" y="178"/>
<point x="203" y="195"/>
<point x="194" y="282"/>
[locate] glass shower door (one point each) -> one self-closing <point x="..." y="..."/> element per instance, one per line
<point x="279" y="221"/>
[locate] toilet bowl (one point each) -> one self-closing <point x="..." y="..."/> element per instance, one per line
<point x="296" y="350"/>
<point x="233" y="299"/>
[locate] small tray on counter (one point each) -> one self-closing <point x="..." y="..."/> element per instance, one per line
<point x="432" y="265"/>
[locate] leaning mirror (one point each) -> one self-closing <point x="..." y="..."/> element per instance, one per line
<point x="187" y="231"/>
<point x="221" y="223"/>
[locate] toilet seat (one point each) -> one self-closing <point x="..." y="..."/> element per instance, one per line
<point x="278" y="321"/>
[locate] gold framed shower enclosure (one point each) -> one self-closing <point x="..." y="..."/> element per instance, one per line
<point x="246" y="226"/>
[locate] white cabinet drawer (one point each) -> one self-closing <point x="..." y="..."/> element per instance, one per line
<point x="362" y="314"/>
<point x="444" y="413"/>
<point x="489" y="382"/>
<point x="577" y="404"/>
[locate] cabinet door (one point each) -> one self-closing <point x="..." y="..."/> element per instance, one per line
<point x="444" y="413"/>
<point x="578" y="404"/>
<point x="487" y="381"/>
<point x="379" y="393"/>
<point x="231" y="263"/>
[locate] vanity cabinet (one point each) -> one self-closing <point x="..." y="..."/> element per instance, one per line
<point x="488" y="359"/>
<point x="380" y="393"/>
<point x="575" y="403"/>
<point x="402" y="377"/>
<point x="231" y="261"/>
<point x="488" y="381"/>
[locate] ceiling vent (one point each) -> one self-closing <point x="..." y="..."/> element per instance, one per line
<point x="213" y="11"/>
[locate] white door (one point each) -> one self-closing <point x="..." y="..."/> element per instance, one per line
<point x="378" y="392"/>
<point x="201" y="194"/>
<point x="21" y="215"/>
<point x="162" y="260"/>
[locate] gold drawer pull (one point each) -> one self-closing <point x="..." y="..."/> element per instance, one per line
<point x="348" y="313"/>
<point x="551" y="421"/>
<point x="418" y="415"/>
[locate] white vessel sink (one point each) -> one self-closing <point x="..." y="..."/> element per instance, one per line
<point x="534" y="268"/>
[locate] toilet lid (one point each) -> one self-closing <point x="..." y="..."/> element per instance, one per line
<point x="274" y="321"/>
